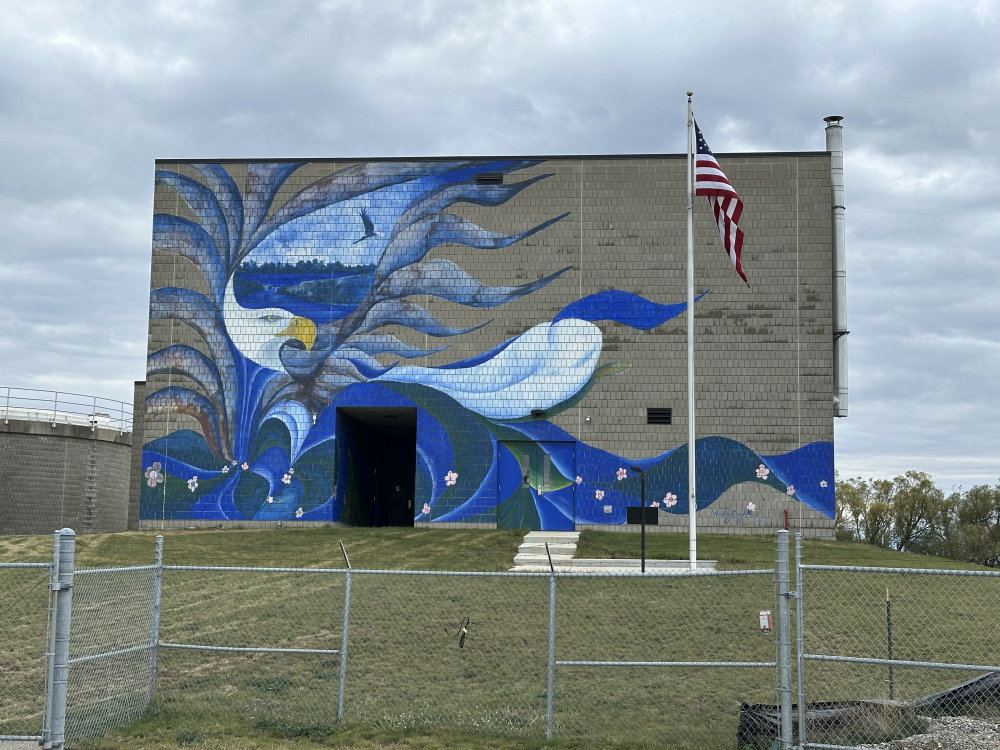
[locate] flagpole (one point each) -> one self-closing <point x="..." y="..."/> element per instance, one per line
<point x="692" y="474"/>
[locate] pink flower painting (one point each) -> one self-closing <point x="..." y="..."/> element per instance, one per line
<point x="599" y="494"/>
<point x="299" y="512"/>
<point x="763" y="472"/>
<point x="669" y="500"/>
<point x="426" y="510"/>
<point x="791" y="490"/>
<point x="621" y="474"/>
<point x="450" y="478"/>
<point x="154" y="474"/>
<point x="751" y="507"/>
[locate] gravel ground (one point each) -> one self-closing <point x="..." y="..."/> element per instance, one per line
<point x="950" y="733"/>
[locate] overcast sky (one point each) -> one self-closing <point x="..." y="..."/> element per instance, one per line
<point x="92" y="92"/>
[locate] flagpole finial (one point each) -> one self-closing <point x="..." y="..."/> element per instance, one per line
<point x="690" y="94"/>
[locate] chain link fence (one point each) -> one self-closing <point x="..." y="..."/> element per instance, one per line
<point x="467" y="652"/>
<point x="471" y="652"/>
<point x="639" y="657"/>
<point x="111" y="649"/>
<point x="651" y="660"/>
<point x="24" y="594"/>
<point x="257" y="648"/>
<point x="886" y="650"/>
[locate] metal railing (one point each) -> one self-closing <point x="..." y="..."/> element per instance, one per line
<point x="61" y="407"/>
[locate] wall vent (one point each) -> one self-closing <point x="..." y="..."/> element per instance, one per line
<point x="659" y="415"/>
<point x="489" y="178"/>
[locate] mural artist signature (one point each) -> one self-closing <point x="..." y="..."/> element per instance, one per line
<point x="731" y="516"/>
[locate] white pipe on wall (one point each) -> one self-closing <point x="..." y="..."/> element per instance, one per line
<point x="835" y="145"/>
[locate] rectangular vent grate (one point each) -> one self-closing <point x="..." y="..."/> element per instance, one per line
<point x="489" y="178"/>
<point x="659" y="415"/>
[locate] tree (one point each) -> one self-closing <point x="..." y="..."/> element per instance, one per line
<point x="919" y="513"/>
<point x="865" y="509"/>
<point x="909" y="513"/>
<point x="906" y="513"/>
<point x="976" y="536"/>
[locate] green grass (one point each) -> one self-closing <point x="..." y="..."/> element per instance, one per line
<point x="409" y="685"/>
<point x="433" y="549"/>
<point x="739" y="552"/>
<point x="386" y="548"/>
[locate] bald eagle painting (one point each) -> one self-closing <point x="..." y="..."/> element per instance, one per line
<point x="315" y="296"/>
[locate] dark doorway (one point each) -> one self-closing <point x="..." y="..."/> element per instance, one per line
<point x="380" y="448"/>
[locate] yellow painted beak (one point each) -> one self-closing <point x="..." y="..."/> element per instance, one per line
<point x="302" y="329"/>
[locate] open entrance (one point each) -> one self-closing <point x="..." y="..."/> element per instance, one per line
<point x="379" y="453"/>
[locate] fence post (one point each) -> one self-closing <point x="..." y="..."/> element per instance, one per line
<point x="61" y="592"/>
<point x="784" y="642"/>
<point x="800" y="662"/>
<point x="343" y="638"/>
<point x="154" y="628"/>
<point x="550" y="684"/>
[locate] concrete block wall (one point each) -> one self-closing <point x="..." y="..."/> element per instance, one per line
<point x="764" y="355"/>
<point x="62" y="475"/>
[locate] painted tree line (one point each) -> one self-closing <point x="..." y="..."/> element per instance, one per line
<point x="910" y="514"/>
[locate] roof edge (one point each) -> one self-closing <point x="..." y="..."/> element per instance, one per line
<point x="486" y="157"/>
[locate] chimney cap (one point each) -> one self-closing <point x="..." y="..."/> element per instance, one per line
<point x="833" y="119"/>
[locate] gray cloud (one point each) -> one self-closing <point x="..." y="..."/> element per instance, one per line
<point x="91" y="93"/>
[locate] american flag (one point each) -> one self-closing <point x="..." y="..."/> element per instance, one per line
<point x="710" y="181"/>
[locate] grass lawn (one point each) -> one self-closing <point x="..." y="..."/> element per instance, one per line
<point x="432" y="549"/>
<point x="409" y="685"/>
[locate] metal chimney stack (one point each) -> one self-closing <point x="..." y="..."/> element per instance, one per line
<point x="835" y="145"/>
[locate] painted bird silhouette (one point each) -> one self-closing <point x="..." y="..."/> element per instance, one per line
<point x="369" y="227"/>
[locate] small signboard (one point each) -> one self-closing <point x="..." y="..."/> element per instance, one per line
<point x="633" y="514"/>
<point x="765" y="621"/>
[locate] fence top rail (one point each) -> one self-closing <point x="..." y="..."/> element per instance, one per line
<point x="721" y="664"/>
<point x="479" y="573"/>
<point x="25" y="565"/>
<point x="125" y="569"/>
<point x="250" y="569"/>
<point x="902" y="662"/>
<point x="904" y="571"/>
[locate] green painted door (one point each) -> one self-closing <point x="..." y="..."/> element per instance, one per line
<point x="535" y="485"/>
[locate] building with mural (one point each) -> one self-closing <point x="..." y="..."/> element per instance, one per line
<point x="494" y="341"/>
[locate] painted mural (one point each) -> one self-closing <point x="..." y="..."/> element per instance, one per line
<point x="296" y="320"/>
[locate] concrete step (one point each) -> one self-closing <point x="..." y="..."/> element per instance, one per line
<point x="555" y="549"/>
<point x="526" y="558"/>
<point x="552" y="537"/>
<point x="531" y="555"/>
